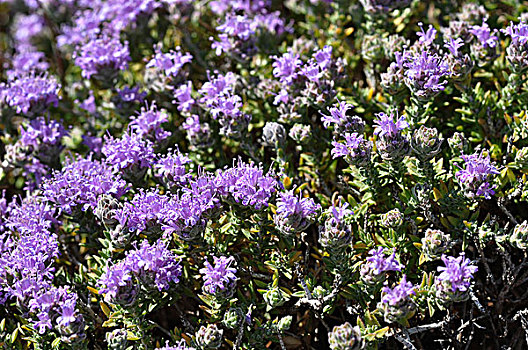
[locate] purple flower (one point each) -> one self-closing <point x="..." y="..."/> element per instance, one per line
<point x="378" y="262"/>
<point x="183" y="97"/>
<point x="26" y="61"/>
<point x="94" y="143"/>
<point x="398" y="294"/>
<point x="25" y="28"/>
<point x="172" y="168"/>
<point x="216" y="87"/>
<point x="89" y="104"/>
<point x="143" y="212"/>
<point x="516" y="50"/>
<point x="338" y="115"/>
<point x="425" y="74"/>
<point x="286" y="67"/>
<point x="221" y="277"/>
<point x="148" y="123"/>
<point x="127" y="151"/>
<point x="453" y="45"/>
<point x="323" y="57"/>
<point x="484" y="35"/>
<point x="295" y="213"/>
<point x="224" y="44"/>
<point x="387" y="127"/>
<point x="153" y="266"/>
<point x="220" y="99"/>
<point x="133" y="94"/>
<point x="170" y="63"/>
<point x="476" y="174"/>
<point x="356" y="150"/>
<point x="41" y="132"/>
<point x="30" y="93"/>
<point x="426" y="38"/>
<point x="102" y="57"/>
<point x="457" y="272"/>
<point x="80" y="182"/>
<point x="246" y="184"/>
<point x="238" y="26"/>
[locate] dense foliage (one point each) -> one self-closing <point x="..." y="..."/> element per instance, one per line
<point x="261" y="174"/>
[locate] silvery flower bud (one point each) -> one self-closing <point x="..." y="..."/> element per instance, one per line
<point x="458" y="143"/>
<point x="459" y="67"/>
<point x="120" y="236"/>
<point x="106" y="209"/>
<point x="345" y="337"/>
<point x="284" y="323"/>
<point x="392" y="81"/>
<point x="426" y="142"/>
<point x="232" y="318"/>
<point x="73" y="334"/>
<point x="392" y="219"/>
<point x="117" y="339"/>
<point x="519" y="237"/>
<point x="127" y="294"/>
<point x="521" y="157"/>
<point x="393" y="148"/>
<point x="383" y="6"/>
<point x="399" y="312"/>
<point x="372" y="48"/>
<point x="273" y="134"/>
<point x="334" y="235"/>
<point x="435" y="243"/>
<point x="394" y="43"/>
<point x="517" y="56"/>
<point x="209" y="337"/>
<point x="275" y="297"/>
<point x="445" y="293"/>
<point x="472" y="13"/>
<point x="234" y="128"/>
<point x="300" y="132"/>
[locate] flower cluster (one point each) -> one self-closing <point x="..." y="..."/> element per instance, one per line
<point x="377" y="263"/>
<point x="102" y="58"/>
<point x="516" y="51"/>
<point x="455" y="278"/>
<point x="475" y="177"/>
<point x="391" y="142"/>
<point x="294" y="214"/>
<point x="169" y="63"/>
<point x="30" y="93"/>
<point x="336" y="232"/>
<point x="221" y="277"/>
<point x="213" y="174"/>
<point x="149" y="267"/>
<point x="80" y="183"/>
<point x="148" y="124"/>
<point x="246" y="184"/>
<point x="395" y="302"/>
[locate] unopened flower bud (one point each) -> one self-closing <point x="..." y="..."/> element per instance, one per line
<point x="426" y="142"/>
<point x="117" y="339"/>
<point x="345" y="337"/>
<point x="519" y="237"/>
<point x="275" y="297"/>
<point x="273" y="134"/>
<point x="284" y="323"/>
<point x="209" y="337"/>
<point x="458" y="143"/>
<point x="232" y="318"/>
<point x="392" y="219"/>
<point x="300" y="133"/>
<point x="435" y="243"/>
